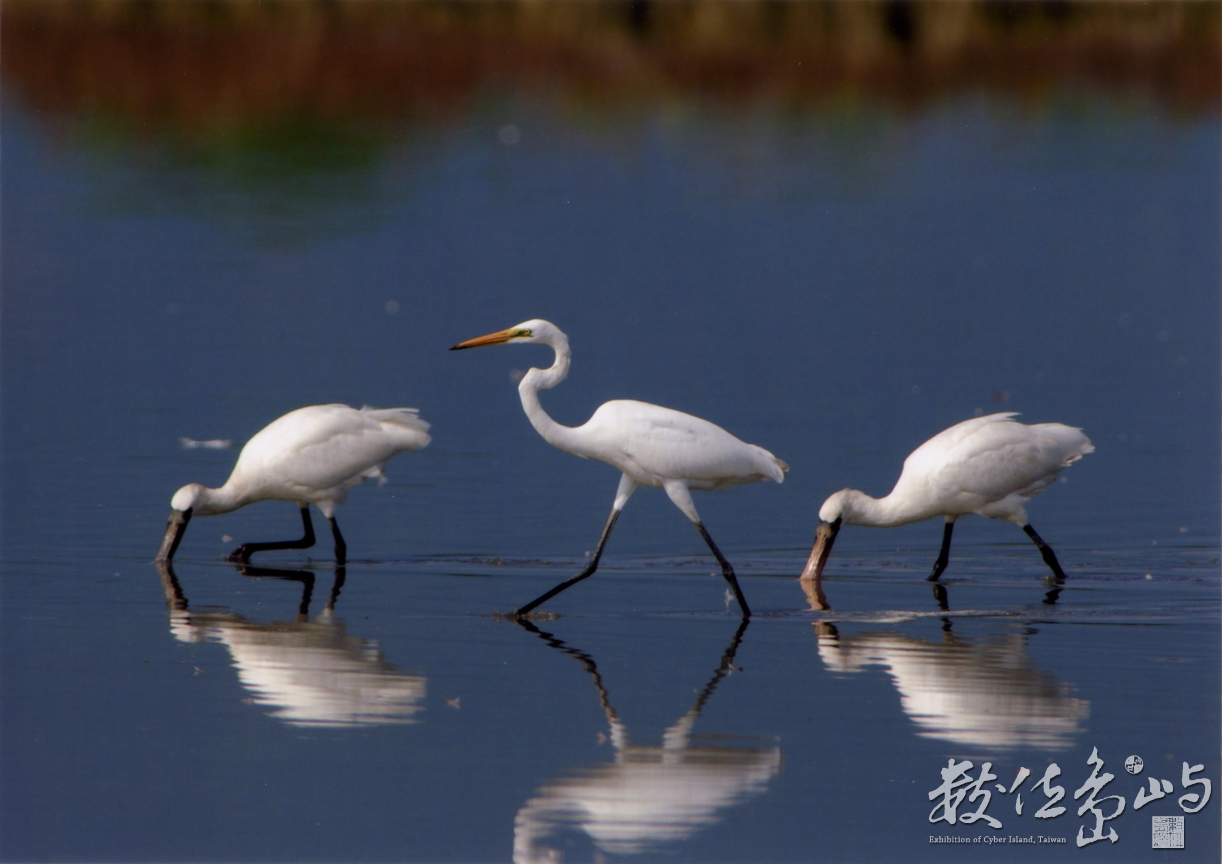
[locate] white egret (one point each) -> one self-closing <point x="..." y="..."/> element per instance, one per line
<point x="651" y="445"/>
<point x="989" y="465"/>
<point x="313" y="455"/>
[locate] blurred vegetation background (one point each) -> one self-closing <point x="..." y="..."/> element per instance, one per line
<point x="222" y="68"/>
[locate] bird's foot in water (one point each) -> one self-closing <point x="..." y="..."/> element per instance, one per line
<point x="515" y="615"/>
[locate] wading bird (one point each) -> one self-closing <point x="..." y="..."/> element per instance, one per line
<point x="651" y="445"/>
<point x="988" y="465"/>
<point x="313" y="455"/>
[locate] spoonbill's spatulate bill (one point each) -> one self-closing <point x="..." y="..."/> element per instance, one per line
<point x="989" y="465"/>
<point x="651" y="445"/>
<point x="313" y="455"/>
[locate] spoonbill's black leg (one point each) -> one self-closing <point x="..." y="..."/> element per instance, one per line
<point x="585" y="571"/>
<point x="1050" y="558"/>
<point x="944" y="555"/>
<point x="726" y="570"/>
<point x="341" y="548"/>
<point x="243" y="552"/>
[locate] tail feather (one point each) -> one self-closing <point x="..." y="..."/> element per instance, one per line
<point x="774" y="469"/>
<point x="409" y="419"/>
<point x="1073" y="441"/>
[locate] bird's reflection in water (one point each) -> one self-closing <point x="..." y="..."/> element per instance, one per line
<point x="816" y="597"/>
<point x="987" y="694"/>
<point x="308" y="670"/>
<point x="648" y="796"/>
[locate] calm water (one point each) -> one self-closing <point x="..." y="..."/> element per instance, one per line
<point x="835" y="284"/>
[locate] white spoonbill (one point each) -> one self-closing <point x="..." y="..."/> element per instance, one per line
<point x="989" y="465"/>
<point x="313" y="455"/>
<point x="651" y="445"/>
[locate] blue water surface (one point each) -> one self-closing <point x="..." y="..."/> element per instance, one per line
<point x="836" y="297"/>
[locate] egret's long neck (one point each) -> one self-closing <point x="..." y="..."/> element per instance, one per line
<point x="544" y="379"/>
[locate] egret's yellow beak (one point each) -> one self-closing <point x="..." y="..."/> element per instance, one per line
<point x="825" y="536"/>
<point x="498" y="338"/>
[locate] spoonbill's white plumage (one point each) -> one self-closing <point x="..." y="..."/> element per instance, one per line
<point x="651" y="445"/>
<point x="990" y="465"/>
<point x="313" y="455"/>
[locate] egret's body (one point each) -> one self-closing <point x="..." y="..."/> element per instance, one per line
<point x="313" y="455"/>
<point x="990" y="465"/>
<point x="654" y="446"/>
<point x="650" y="445"/>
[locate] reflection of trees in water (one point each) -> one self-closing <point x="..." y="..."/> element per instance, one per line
<point x="981" y="693"/>
<point x="649" y="796"/>
<point x="276" y="117"/>
<point x="308" y="670"/>
<point x="211" y="70"/>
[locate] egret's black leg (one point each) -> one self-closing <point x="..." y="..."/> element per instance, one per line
<point x="243" y="552"/>
<point x="585" y="571"/>
<point x="940" y="595"/>
<point x="726" y="570"/>
<point x="1049" y="557"/>
<point x="944" y="555"/>
<point x="341" y="548"/>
